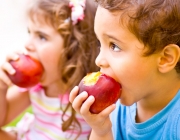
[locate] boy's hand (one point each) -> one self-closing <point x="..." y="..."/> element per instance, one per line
<point x="100" y="123"/>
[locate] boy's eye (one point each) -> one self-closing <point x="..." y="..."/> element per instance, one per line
<point x="114" y="47"/>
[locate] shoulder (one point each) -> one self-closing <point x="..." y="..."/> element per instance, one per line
<point x="172" y="125"/>
<point x="16" y="92"/>
<point x="177" y="126"/>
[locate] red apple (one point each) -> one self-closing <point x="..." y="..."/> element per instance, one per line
<point x="28" y="71"/>
<point x="104" y="88"/>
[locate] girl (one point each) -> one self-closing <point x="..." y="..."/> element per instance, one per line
<point x="61" y="36"/>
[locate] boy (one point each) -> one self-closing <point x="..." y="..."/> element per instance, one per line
<point x="140" y="42"/>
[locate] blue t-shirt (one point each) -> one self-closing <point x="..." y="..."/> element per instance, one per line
<point x="165" y="125"/>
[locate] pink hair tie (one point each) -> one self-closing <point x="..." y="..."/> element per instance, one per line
<point x="77" y="10"/>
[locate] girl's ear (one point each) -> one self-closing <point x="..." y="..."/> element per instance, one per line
<point x="169" y="57"/>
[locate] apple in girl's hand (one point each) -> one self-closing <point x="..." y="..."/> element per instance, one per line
<point x="28" y="71"/>
<point x="104" y="88"/>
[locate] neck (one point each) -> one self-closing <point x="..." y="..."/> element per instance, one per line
<point x="151" y="105"/>
<point x="54" y="89"/>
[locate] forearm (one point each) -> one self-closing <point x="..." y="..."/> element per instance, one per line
<point x="3" y="106"/>
<point x="94" y="136"/>
<point x="12" y="104"/>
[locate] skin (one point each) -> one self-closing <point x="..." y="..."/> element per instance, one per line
<point x="46" y="41"/>
<point x="44" y="44"/>
<point x="149" y="81"/>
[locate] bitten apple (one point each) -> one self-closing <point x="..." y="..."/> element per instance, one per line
<point x="28" y="71"/>
<point x="104" y="88"/>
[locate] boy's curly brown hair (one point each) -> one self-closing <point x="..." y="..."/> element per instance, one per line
<point x="154" y="22"/>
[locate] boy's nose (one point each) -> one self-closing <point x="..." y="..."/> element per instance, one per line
<point x="101" y="60"/>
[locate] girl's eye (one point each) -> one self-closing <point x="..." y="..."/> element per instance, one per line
<point x="43" y="38"/>
<point x="99" y="44"/>
<point x="114" y="47"/>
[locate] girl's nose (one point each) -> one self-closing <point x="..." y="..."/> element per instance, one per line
<point x="30" y="46"/>
<point x="101" y="60"/>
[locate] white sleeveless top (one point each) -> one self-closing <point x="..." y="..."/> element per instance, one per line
<point x="46" y="122"/>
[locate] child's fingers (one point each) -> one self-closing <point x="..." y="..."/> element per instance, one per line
<point x="12" y="56"/>
<point x="86" y="105"/>
<point x="4" y="79"/>
<point x="15" y="55"/>
<point x="20" y="51"/>
<point x="8" y="68"/>
<point x="78" y="101"/>
<point x="73" y="94"/>
<point x="105" y="113"/>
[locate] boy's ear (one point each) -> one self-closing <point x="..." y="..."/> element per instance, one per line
<point x="169" y="57"/>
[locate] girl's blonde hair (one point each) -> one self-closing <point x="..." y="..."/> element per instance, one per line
<point x="81" y="44"/>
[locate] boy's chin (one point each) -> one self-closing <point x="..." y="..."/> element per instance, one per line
<point x="126" y="102"/>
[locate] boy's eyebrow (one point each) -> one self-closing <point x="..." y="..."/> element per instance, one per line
<point x="110" y="36"/>
<point x="114" y="38"/>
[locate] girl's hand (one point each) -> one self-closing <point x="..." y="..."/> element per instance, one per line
<point x="6" y="67"/>
<point x="100" y="123"/>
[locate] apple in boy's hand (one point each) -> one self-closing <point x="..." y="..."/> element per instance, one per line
<point x="28" y="71"/>
<point x="104" y="88"/>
